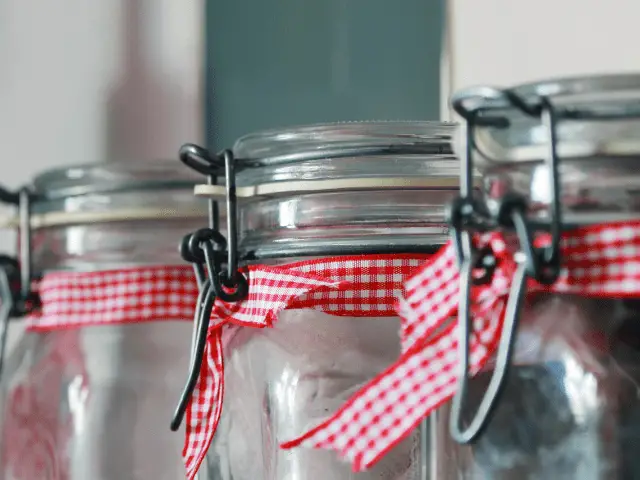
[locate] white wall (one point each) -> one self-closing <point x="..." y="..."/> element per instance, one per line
<point x="502" y="42"/>
<point x="96" y="81"/>
<point x="93" y="81"/>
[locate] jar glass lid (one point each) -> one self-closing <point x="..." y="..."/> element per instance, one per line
<point x="342" y="140"/>
<point x="114" y="192"/>
<point x="341" y="151"/>
<point x="596" y="116"/>
<point x="114" y="178"/>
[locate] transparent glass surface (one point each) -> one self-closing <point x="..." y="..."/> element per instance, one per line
<point x="340" y="221"/>
<point x="113" y="178"/>
<point x="571" y="407"/>
<point x="94" y="403"/>
<point x="281" y="381"/>
<point x="593" y="190"/>
<point x="597" y="159"/>
<point x="293" y="222"/>
<point x="617" y="97"/>
<point x="164" y="186"/>
<point x="312" y="142"/>
<point x="113" y="245"/>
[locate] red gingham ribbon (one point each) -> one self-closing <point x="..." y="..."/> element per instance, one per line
<point x="142" y="294"/>
<point x="598" y="261"/>
<point x="349" y="286"/>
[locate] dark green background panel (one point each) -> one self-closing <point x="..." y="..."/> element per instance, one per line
<point x="275" y="63"/>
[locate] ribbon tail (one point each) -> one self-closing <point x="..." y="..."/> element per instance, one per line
<point x="271" y="290"/>
<point x="417" y="328"/>
<point x="391" y="406"/>
<point x="430" y="298"/>
<point x="205" y="408"/>
<point x="385" y="411"/>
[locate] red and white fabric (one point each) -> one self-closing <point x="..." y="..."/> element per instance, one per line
<point x="366" y="286"/>
<point x="601" y="261"/>
<point x="144" y="294"/>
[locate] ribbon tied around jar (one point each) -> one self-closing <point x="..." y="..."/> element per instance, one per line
<point x="364" y="286"/>
<point x="598" y="261"/>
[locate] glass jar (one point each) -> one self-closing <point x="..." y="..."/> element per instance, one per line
<point x="340" y="194"/>
<point x="570" y="408"/>
<point x="88" y="391"/>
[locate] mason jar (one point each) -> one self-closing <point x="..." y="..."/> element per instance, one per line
<point x="570" y="407"/>
<point x="359" y="203"/>
<point x="88" y="391"/>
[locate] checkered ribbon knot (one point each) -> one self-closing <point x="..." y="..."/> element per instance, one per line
<point x="366" y="286"/>
<point x="597" y="261"/>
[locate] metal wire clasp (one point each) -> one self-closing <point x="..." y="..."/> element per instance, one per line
<point x="468" y="215"/>
<point x="207" y="249"/>
<point x="16" y="296"/>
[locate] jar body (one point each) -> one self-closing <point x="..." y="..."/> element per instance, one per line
<point x="282" y="381"/>
<point x="570" y="407"/>
<point x="331" y="192"/>
<point x="93" y="402"/>
<point x="566" y="150"/>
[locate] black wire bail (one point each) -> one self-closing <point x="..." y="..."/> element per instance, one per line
<point x="214" y="259"/>
<point x="16" y="296"/>
<point x="467" y="215"/>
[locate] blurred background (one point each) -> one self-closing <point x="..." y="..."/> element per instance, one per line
<point x="131" y="80"/>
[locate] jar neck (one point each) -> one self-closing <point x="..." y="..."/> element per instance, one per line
<point x="110" y="246"/>
<point x="107" y="231"/>
<point x="592" y="190"/>
<point x="338" y="223"/>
